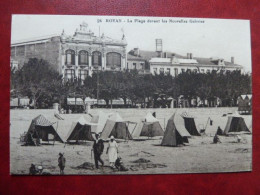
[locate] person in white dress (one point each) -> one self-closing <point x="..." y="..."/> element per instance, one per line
<point x="112" y="151"/>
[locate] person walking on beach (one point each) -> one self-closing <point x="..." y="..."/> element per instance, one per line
<point x="98" y="148"/>
<point x="112" y="151"/>
<point x="61" y="163"/>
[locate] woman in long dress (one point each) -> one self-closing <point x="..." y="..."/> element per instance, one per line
<point x="112" y="151"/>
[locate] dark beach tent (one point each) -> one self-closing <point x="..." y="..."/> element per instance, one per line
<point x="42" y="128"/>
<point x="81" y="131"/>
<point x="235" y="125"/>
<point x="190" y="125"/>
<point x="149" y="126"/>
<point x="174" y="136"/>
<point x="117" y="127"/>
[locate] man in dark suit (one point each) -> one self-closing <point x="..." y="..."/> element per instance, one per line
<point x="98" y="148"/>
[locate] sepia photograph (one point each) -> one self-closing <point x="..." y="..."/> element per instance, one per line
<point x="109" y="95"/>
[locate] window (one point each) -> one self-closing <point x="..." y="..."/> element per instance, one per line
<point x="182" y="70"/>
<point x="83" y="74"/>
<point x="142" y="65"/>
<point x="161" y="70"/>
<point x="70" y="57"/>
<point x="208" y="70"/>
<point x="189" y="71"/>
<point x="155" y="70"/>
<point x="195" y="70"/>
<point x="202" y="70"/>
<point x="96" y="59"/>
<point x="113" y="60"/>
<point x="83" y="58"/>
<point x="134" y="66"/>
<point x="69" y="74"/>
<point x="168" y="71"/>
<point x="176" y="72"/>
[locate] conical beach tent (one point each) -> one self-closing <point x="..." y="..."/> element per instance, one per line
<point x="174" y="136"/>
<point x="81" y="131"/>
<point x="117" y="127"/>
<point x="235" y="125"/>
<point x="42" y="128"/>
<point x="149" y="126"/>
<point x="190" y="125"/>
<point x="100" y="121"/>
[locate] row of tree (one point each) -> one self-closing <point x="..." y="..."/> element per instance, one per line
<point x="44" y="86"/>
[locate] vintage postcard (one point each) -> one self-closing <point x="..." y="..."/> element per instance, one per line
<point x="129" y="95"/>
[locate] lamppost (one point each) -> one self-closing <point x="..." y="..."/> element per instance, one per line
<point x="97" y="71"/>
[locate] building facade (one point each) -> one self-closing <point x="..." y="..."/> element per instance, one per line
<point x="135" y="61"/>
<point x="74" y="56"/>
<point x="175" y="65"/>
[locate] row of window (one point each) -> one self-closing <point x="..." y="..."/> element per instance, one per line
<point x="70" y="74"/>
<point x="113" y="59"/>
<point x="168" y="71"/>
<point x="136" y="66"/>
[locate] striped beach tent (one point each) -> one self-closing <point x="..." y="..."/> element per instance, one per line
<point x="42" y="128"/>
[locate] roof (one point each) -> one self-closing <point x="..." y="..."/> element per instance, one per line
<point x="116" y="118"/>
<point x="42" y="121"/>
<point x="249" y="96"/>
<point x="179" y="124"/>
<point x="209" y="61"/>
<point x="83" y="121"/>
<point x="99" y="119"/>
<point x="133" y="57"/>
<point x="187" y="61"/>
<point x="162" y="60"/>
<point x="147" y="55"/>
<point x="33" y="39"/>
<point x="149" y="118"/>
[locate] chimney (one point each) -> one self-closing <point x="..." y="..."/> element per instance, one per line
<point x="191" y="56"/>
<point x="136" y="51"/>
<point x="232" y="60"/>
<point x="188" y="55"/>
<point x="165" y="55"/>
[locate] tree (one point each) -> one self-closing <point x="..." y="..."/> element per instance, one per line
<point x="36" y="79"/>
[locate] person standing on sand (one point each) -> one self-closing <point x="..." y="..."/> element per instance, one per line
<point x="61" y="163"/>
<point x="112" y="151"/>
<point x="98" y="148"/>
<point x="216" y="139"/>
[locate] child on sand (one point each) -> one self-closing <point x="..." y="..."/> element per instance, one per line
<point x="61" y="163"/>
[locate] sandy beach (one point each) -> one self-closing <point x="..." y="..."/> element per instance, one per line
<point x="140" y="157"/>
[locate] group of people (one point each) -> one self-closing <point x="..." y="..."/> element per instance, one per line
<point x="115" y="161"/>
<point x="112" y="151"/>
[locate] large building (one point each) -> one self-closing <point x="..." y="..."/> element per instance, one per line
<point x="154" y="62"/>
<point x="175" y="65"/>
<point x="74" y="56"/>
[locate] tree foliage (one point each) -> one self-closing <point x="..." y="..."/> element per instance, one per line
<point x="37" y="80"/>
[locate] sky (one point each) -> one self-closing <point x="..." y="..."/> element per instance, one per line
<point x="207" y="38"/>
